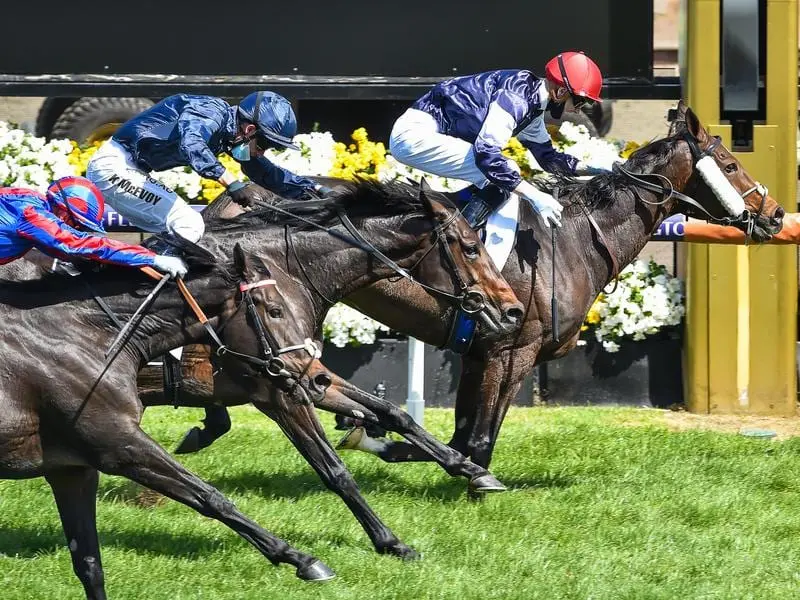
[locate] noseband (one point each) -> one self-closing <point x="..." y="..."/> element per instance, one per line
<point x="269" y="361"/>
<point x="747" y="220"/>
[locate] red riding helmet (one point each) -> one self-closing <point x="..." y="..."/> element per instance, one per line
<point x="576" y="72"/>
<point x="80" y="199"/>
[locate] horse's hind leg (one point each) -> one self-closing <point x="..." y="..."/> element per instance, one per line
<point x="216" y="424"/>
<point x="301" y="426"/>
<point x="394" y="419"/>
<point x="396" y="451"/>
<point x="136" y="456"/>
<point x="75" y="491"/>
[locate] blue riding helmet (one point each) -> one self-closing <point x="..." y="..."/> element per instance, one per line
<point x="272" y="115"/>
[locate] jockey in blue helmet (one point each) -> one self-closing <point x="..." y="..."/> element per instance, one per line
<point x="67" y="223"/>
<point x="189" y="130"/>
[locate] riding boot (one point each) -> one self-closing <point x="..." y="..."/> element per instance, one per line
<point x="216" y="424"/>
<point x="483" y="203"/>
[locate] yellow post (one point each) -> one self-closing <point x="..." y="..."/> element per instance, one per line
<point x="742" y="301"/>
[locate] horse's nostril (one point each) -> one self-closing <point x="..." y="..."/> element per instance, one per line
<point x="323" y="381"/>
<point x="779" y="214"/>
<point x="513" y="314"/>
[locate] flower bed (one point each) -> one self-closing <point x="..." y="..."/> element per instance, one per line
<point x="646" y="301"/>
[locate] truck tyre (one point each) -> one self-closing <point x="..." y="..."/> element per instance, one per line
<point x="91" y="120"/>
<point x="579" y="118"/>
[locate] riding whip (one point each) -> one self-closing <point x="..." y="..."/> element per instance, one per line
<point x="134" y="321"/>
<point x="553" y="303"/>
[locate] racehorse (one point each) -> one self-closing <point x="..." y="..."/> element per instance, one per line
<point x="607" y="221"/>
<point x="71" y="413"/>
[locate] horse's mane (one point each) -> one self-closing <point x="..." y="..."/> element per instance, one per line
<point x="601" y="190"/>
<point x="361" y="199"/>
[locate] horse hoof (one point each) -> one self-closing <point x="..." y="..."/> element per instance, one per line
<point x="486" y="483"/>
<point x="401" y="551"/>
<point x="316" y="571"/>
<point x="351" y="439"/>
<point x="190" y="442"/>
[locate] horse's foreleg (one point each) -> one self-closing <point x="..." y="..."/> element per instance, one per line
<point x="394" y="419"/>
<point x="216" y="424"/>
<point x="75" y="491"/>
<point x="301" y="426"/>
<point x="502" y="379"/>
<point x="132" y="454"/>
<point x="468" y="398"/>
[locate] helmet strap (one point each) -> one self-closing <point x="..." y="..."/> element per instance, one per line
<point x="564" y="77"/>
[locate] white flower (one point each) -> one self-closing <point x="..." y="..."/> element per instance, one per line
<point x="344" y="325"/>
<point x="646" y="300"/>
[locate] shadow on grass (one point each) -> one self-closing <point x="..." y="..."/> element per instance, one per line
<point x="538" y="481"/>
<point x="298" y="485"/>
<point x="29" y="542"/>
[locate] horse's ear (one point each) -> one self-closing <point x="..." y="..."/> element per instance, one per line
<point x="241" y="262"/>
<point x="433" y="207"/>
<point x="695" y="127"/>
<point x="678" y="113"/>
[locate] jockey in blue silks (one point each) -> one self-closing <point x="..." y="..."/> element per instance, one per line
<point x="188" y="130"/>
<point x="460" y="127"/>
<point x="67" y="223"/>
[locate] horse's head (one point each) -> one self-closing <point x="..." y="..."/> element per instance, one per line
<point x="718" y="182"/>
<point x="463" y="265"/>
<point x="265" y="332"/>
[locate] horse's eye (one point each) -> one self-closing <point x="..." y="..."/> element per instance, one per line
<point x="275" y="312"/>
<point x="472" y="250"/>
<point x="731" y="168"/>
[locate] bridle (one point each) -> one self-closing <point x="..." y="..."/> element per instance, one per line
<point x="468" y="300"/>
<point x="269" y="361"/>
<point x="747" y="220"/>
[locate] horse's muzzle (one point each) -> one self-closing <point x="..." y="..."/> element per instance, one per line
<point x="766" y="227"/>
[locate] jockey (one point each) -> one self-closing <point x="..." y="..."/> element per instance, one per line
<point x="67" y="223"/>
<point x="188" y="130"/>
<point x="460" y="127"/>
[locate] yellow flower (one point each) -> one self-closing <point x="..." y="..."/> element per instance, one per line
<point x="519" y="154"/>
<point x="211" y="188"/>
<point x="593" y="316"/>
<point x="630" y="148"/>
<point x="362" y="158"/>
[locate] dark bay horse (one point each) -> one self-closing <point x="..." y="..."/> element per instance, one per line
<point x="312" y="269"/>
<point x="68" y="415"/>
<point x="626" y="212"/>
<point x="414" y="232"/>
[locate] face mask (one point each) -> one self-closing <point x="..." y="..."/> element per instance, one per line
<point x="241" y="152"/>
<point x="555" y="109"/>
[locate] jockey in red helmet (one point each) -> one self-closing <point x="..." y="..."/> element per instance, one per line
<point x="577" y="79"/>
<point x="460" y="127"/>
<point x="67" y="223"/>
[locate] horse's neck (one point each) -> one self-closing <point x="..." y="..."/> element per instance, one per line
<point x="627" y="226"/>
<point x="337" y="269"/>
<point x="170" y="323"/>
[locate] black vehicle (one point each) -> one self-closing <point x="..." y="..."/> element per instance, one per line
<point x="343" y="65"/>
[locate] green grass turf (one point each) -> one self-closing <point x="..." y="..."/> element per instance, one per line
<point x="603" y="504"/>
